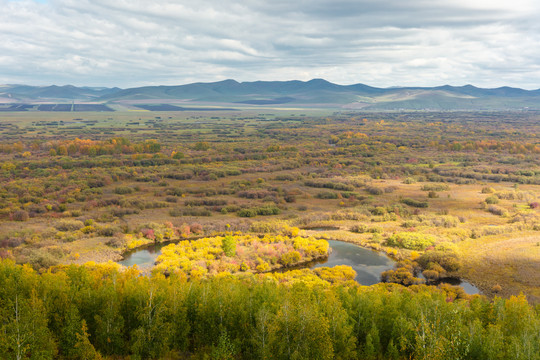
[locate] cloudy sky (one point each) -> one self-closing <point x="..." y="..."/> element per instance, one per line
<point x="126" y="43"/>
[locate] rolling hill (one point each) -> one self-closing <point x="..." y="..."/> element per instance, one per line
<point x="315" y="93"/>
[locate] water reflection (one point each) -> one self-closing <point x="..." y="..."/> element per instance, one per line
<point x="368" y="264"/>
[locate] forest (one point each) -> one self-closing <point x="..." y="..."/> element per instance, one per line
<point x="239" y="202"/>
<point x="98" y="311"/>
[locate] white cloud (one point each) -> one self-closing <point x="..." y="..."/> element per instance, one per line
<point x="382" y="43"/>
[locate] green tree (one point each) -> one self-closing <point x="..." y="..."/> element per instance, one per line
<point x="228" y="244"/>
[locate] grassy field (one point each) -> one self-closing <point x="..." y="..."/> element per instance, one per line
<point x="80" y="187"/>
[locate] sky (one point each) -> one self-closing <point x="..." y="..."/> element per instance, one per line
<point x="382" y="43"/>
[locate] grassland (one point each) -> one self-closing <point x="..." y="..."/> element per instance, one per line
<point x="80" y="187"/>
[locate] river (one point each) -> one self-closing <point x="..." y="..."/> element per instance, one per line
<point x="368" y="264"/>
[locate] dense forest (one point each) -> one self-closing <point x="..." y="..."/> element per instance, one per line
<point x="98" y="311"/>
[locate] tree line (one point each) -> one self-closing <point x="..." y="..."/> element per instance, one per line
<point x="100" y="311"/>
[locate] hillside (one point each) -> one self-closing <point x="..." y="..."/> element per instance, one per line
<point x="315" y="93"/>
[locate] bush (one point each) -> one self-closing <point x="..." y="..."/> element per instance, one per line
<point x="264" y="210"/>
<point x="205" y="202"/>
<point x="374" y="190"/>
<point x="20" y="215"/>
<point x="411" y="240"/>
<point x="107" y="231"/>
<point x="290" y="198"/>
<point x="88" y="229"/>
<point x="492" y="200"/>
<point x="290" y="258"/>
<point x="379" y="210"/>
<point x="195" y="212"/>
<point x="326" y="195"/>
<point x="435" y="187"/>
<point x="401" y="276"/>
<point x="196" y="228"/>
<point x="431" y="275"/>
<point x="414" y="203"/>
<point x="230" y="209"/>
<point x="115" y="242"/>
<point x="448" y="260"/>
<point x="247" y="213"/>
<point x="329" y="185"/>
<point x="228" y="244"/>
<point x="123" y="190"/>
<point x="175" y="212"/>
<point x="433" y="195"/>
<point x="69" y="225"/>
<point x="497" y="210"/>
<point x="359" y="228"/>
<point x="171" y="199"/>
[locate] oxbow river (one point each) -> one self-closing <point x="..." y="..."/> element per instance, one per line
<point x="368" y="264"/>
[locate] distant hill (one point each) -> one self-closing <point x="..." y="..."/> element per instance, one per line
<point x="314" y="93"/>
<point x="53" y="92"/>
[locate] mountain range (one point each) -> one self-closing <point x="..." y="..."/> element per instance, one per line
<point x="316" y="93"/>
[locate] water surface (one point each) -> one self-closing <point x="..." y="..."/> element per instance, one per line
<point x="368" y="264"/>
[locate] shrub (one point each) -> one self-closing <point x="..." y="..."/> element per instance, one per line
<point x="175" y="192"/>
<point x="107" y="231"/>
<point x="88" y="229"/>
<point x="123" y="190"/>
<point x="435" y="187"/>
<point x="123" y="212"/>
<point x="414" y="203"/>
<point x="285" y="177"/>
<point x="374" y="190"/>
<point x="205" y="202"/>
<point x="497" y="210"/>
<point x="11" y="242"/>
<point x="196" y="228"/>
<point x="401" y="276"/>
<point x="448" y="260"/>
<point x="20" y="215"/>
<point x="411" y="240"/>
<point x="329" y="185"/>
<point x="247" y="213"/>
<point x="69" y="225"/>
<point x="175" y="212"/>
<point x="290" y="258"/>
<point x="201" y="146"/>
<point x="290" y="198"/>
<point x="326" y="195"/>
<point x="228" y="244"/>
<point x="115" y="242"/>
<point x="359" y="228"/>
<point x="492" y="200"/>
<point x="230" y="209"/>
<point x="431" y="274"/>
<point x="432" y="195"/>
<point x="264" y="210"/>
<point x="195" y="212"/>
